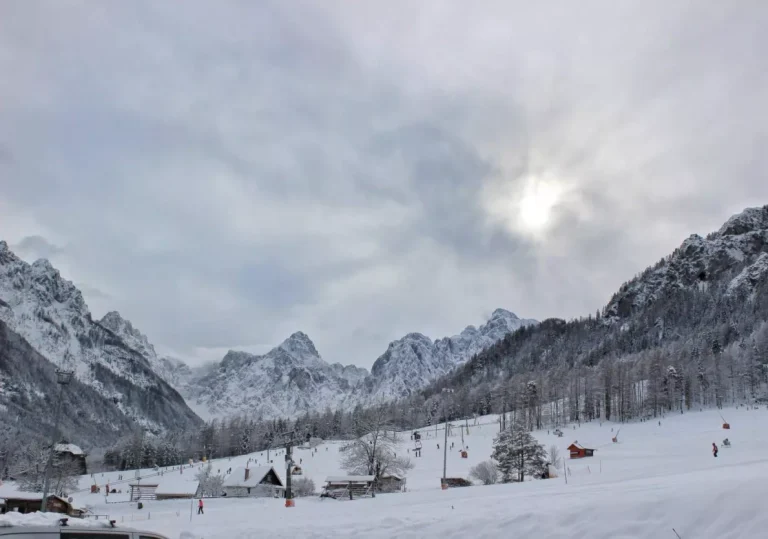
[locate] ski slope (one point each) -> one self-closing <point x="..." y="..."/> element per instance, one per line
<point x="655" y="479"/>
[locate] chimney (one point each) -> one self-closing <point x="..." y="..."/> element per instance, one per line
<point x="247" y="473"/>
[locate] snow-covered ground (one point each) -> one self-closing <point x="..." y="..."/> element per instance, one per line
<point x="655" y="479"/>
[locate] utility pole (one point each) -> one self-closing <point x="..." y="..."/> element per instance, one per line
<point x="444" y="483"/>
<point x="290" y="439"/>
<point x="62" y="378"/>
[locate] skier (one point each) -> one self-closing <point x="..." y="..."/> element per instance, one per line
<point x="200" y="507"/>
<point x="714" y="449"/>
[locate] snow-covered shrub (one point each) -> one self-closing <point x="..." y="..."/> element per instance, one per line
<point x="486" y="472"/>
<point x="303" y="487"/>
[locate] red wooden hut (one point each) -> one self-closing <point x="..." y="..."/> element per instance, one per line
<point x="579" y="451"/>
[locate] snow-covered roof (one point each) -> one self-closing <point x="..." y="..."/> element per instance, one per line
<point x="177" y="484"/>
<point x="256" y="474"/>
<point x="37" y="519"/>
<point x="10" y="491"/>
<point x="578" y="446"/>
<point x="69" y="448"/>
<point x="349" y="478"/>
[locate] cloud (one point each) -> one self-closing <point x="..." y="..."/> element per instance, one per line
<point x="226" y="177"/>
<point x="36" y="247"/>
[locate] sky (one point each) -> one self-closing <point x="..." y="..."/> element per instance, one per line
<point x="224" y="174"/>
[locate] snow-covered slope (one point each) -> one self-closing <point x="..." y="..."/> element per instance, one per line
<point x="285" y="382"/>
<point x="50" y="313"/>
<point x="414" y="361"/>
<point x="740" y="242"/>
<point x="657" y="477"/>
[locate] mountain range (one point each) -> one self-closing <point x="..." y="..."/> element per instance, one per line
<point x="120" y="364"/>
<point x="293" y="379"/>
<point x="707" y="280"/>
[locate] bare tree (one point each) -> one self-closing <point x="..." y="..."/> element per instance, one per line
<point x="303" y="487"/>
<point x="554" y="456"/>
<point x="486" y="472"/>
<point x="374" y="453"/>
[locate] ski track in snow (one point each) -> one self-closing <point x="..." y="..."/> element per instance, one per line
<point x="656" y="478"/>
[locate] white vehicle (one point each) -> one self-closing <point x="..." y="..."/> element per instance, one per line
<point x="74" y="532"/>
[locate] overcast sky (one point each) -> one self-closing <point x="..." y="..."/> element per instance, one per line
<point x="226" y="173"/>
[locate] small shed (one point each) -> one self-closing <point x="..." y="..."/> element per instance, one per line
<point x="32" y="502"/>
<point x="177" y="487"/>
<point x="390" y="483"/>
<point x="257" y="482"/>
<point x="579" y="451"/>
<point x="348" y="486"/>
<point x="143" y="491"/>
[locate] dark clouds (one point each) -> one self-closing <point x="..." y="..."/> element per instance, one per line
<point x="224" y="177"/>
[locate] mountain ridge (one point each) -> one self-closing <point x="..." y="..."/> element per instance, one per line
<point x="49" y="312"/>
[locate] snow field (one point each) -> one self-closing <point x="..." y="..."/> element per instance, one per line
<point x="655" y="479"/>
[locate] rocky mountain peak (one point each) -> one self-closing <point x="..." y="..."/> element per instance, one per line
<point x="750" y="220"/>
<point x="132" y="336"/>
<point x="698" y="261"/>
<point x="505" y="314"/>
<point x="300" y="346"/>
<point x="415" y="360"/>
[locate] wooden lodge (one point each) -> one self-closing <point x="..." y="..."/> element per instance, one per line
<point x="258" y="482"/>
<point x="579" y="451"/>
<point x="32" y="502"/>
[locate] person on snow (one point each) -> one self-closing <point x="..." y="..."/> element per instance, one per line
<point x="200" y="507"/>
<point x="714" y="449"/>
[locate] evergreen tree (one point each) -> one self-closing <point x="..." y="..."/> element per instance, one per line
<point x="518" y="453"/>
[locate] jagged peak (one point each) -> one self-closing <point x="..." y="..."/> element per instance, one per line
<point x="414" y="336"/>
<point x="503" y="313"/>
<point x="116" y="319"/>
<point x="4" y="246"/>
<point x="45" y="265"/>
<point x="300" y="344"/>
<point x="749" y="220"/>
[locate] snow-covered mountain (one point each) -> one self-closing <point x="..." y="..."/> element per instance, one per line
<point x="285" y="382"/>
<point x="172" y="370"/>
<point x="119" y="362"/>
<point x="50" y="314"/>
<point x="27" y="380"/>
<point x="411" y="363"/>
<point x="293" y="379"/>
<point x="735" y="253"/>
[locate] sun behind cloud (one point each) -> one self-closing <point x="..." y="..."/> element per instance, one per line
<point x="526" y="206"/>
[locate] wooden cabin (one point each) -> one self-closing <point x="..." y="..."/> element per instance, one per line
<point x="348" y="486"/>
<point x="177" y="487"/>
<point x="143" y="491"/>
<point x="67" y="453"/>
<point x="258" y="482"/>
<point x="579" y="451"/>
<point x="32" y="502"/>
<point x="390" y="483"/>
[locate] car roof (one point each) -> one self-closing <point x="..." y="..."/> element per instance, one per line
<point x="4" y="530"/>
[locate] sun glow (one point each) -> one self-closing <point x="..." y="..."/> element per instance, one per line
<point x="526" y="206"/>
<point x="534" y="208"/>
